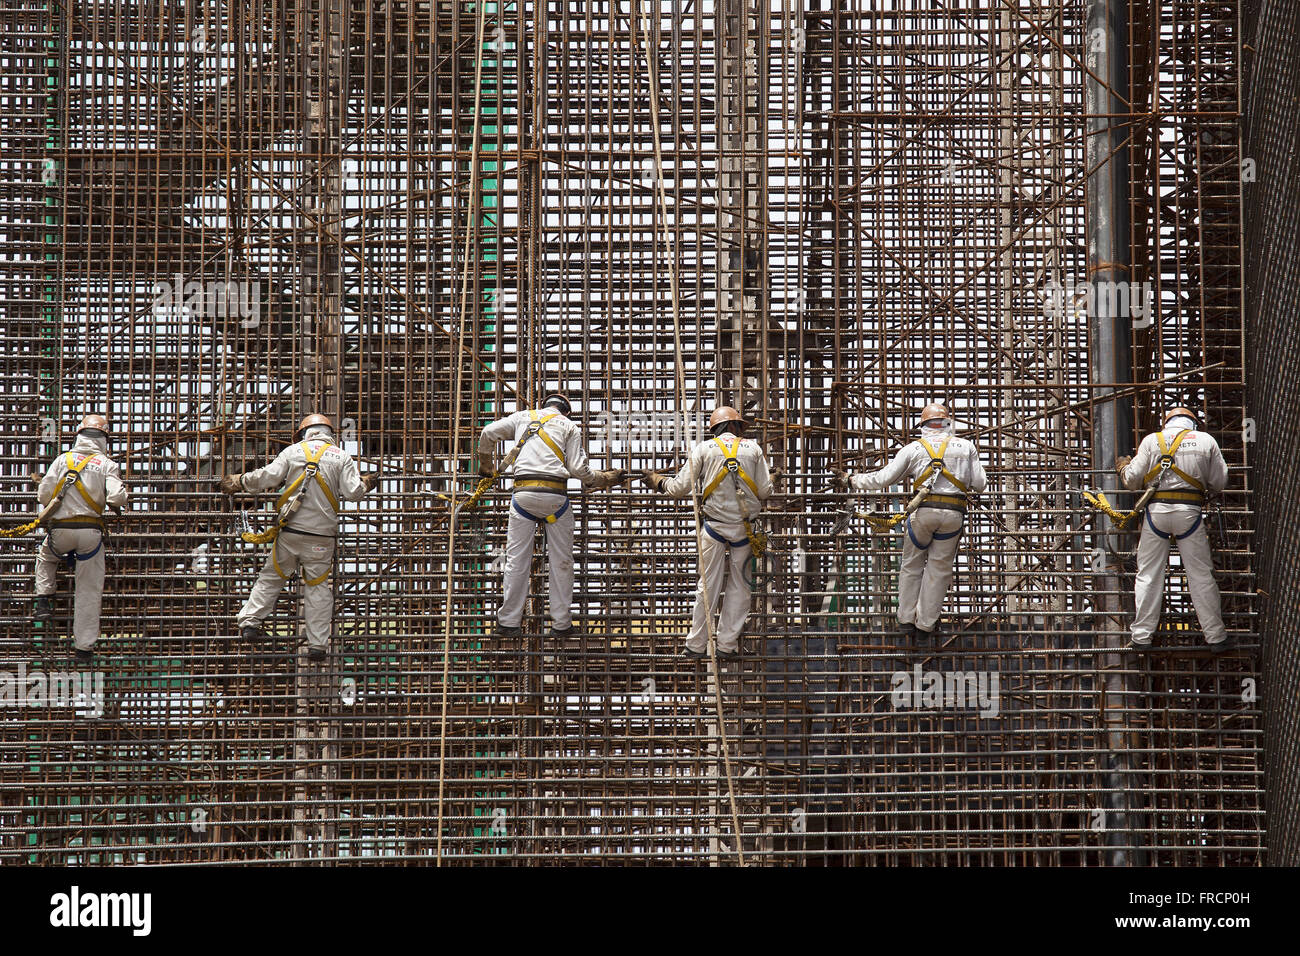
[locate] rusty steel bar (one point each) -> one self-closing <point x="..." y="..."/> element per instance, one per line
<point x="427" y="213"/>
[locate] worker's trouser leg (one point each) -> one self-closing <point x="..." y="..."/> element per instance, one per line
<point x="89" y="587"/>
<point x="1152" y="557"/>
<point x="722" y="576"/>
<point x="520" y="533"/>
<point x="314" y="558"/>
<point x="930" y="540"/>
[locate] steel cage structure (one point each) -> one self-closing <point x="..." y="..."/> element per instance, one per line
<point x="418" y="216"/>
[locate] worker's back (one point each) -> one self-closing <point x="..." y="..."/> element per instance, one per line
<point x="337" y="480"/>
<point x="726" y="499"/>
<point x="1196" y="455"/>
<point x="100" y="480"/>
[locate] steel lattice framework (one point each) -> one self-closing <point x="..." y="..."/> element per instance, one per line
<point x="434" y="211"/>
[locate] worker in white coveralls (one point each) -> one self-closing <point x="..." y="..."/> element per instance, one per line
<point x="933" y="530"/>
<point x="317" y="474"/>
<point x="85" y="480"/>
<point x="731" y="475"/>
<point x="1183" y="463"/>
<point x="547" y="451"/>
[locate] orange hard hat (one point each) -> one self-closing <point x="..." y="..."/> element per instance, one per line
<point x="98" y="422"/>
<point x="315" y="418"/>
<point x="724" y="413"/>
<point x="1180" y="410"/>
<point x="934" y="411"/>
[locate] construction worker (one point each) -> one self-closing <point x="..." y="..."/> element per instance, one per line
<point x="730" y="471"/>
<point x="1183" y="463"/>
<point x="951" y="466"/>
<point x="318" y="474"/>
<point x="547" y="450"/>
<point x="85" y="481"/>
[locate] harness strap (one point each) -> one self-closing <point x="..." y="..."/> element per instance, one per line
<point x="541" y="483"/>
<point x="1167" y="460"/>
<point x="73" y="556"/>
<point x="936" y="536"/>
<point x="312" y="470"/>
<point x="730" y="466"/>
<point x="310" y="582"/>
<point x="937" y="465"/>
<point x="539" y="429"/>
<point x="74" y="469"/>
<point x="549" y="519"/>
<point x="708" y="529"/>
<point x="1177" y="537"/>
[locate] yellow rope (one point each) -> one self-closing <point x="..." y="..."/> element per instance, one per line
<point x="1120" y="518"/>
<point x="21" y="530"/>
<point x="680" y="381"/>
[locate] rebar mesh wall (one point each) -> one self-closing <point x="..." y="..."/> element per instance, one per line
<point x="442" y="211"/>
<point x="1273" y="283"/>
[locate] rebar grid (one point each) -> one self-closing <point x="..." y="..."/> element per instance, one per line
<point x="866" y="205"/>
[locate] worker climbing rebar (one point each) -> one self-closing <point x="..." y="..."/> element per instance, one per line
<point x="948" y="469"/>
<point x="76" y="489"/>
<point x="316" y="474"/>
<point x="548" y="450"/>
<point x="731" y="474"/>
<point x="1182" y="463"/>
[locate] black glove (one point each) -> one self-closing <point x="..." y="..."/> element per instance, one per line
<point x="840" y="479"/>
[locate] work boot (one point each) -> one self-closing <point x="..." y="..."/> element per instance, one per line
<point x="503" y="631"/>
<point x="691" y="655"/>
<point x="1137" y="647"/>
<point x="251" y="632"/>
<point x="728" y="655"/>
<point x="42" y="609"/>
<point x="907" y="632"/>
<point x="316" y="654"/>
<point x="83" y="657"/>
<point x="1219" y="648"/>
<point x="925" y="640"/>
<point x="570" y="631"/>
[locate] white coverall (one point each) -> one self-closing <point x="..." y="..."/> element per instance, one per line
<point x="724" y="536"/>
<point x="531" y="506"/>
<point x="932" y="533"/>
<point x="306" y="544"/>
<point x="1199" y="456"/>
<point x="76" y="529"/>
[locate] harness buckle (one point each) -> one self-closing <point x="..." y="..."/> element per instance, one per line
<point x="732" y="465"/>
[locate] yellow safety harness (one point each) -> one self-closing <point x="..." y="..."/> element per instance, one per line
<point x="731" y="466"/>
<point x="288" y="503"/>
<point x="1166" y="461"/>
<point x="1164" y="464"/>
<point x="71" y="479"/>
<point x="536" y="426"/>
<point x="922" y="495"/>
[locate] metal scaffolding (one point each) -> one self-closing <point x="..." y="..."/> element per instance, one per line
<point x="418" y="215"/>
